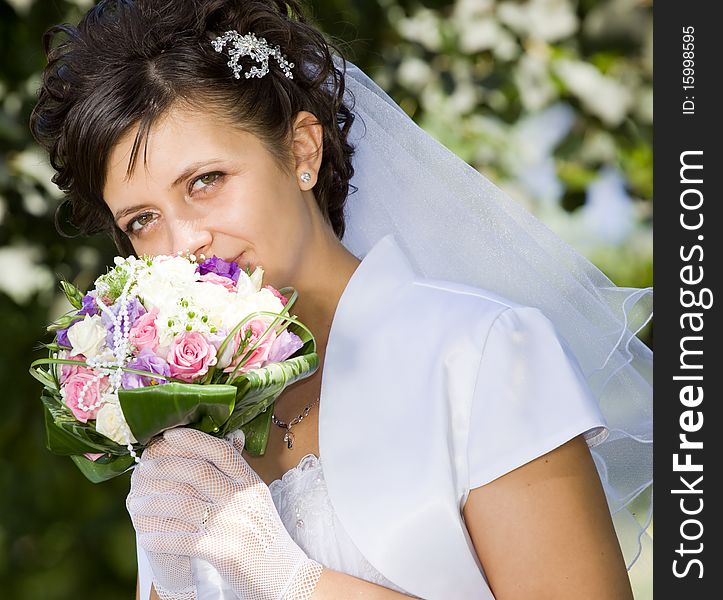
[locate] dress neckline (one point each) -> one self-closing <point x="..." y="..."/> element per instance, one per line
<point x="307" y="461"/>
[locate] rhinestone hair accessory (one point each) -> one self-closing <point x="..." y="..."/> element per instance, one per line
<point x="255" y="47"/>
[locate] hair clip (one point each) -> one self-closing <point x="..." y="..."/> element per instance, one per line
<point x="255" y="47"/>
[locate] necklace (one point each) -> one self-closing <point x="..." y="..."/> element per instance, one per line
<point x="288" y="436"/>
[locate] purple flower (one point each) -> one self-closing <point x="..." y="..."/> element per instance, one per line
<point x="62" y="337"/>
<point x="285" y="344"/>
<point x="89" y="305"/>
<point x="135" y="310"/>
<point x="220" y="267"/>
<point x="89" y="308"/>
<point x="145" y="361"/>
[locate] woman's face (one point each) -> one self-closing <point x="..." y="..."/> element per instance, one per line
<point x="211" y="189"/>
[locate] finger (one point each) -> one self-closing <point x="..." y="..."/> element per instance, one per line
<point x="146" y="525"/>
<point x="176" y="543"/>
<point x="181" y="508"/>
<point x="221" y="453"/>
<point x="160" y="478"/>
<point x="163" y="486"/>
<point x="237" y="439"/>
<point x="160" y="446"/>
<point x="204" y="477"/>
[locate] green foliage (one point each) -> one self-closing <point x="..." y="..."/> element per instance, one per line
<point x="545" y="98"/>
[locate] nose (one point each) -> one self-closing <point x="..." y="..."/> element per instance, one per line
<point x="191" y="237"/>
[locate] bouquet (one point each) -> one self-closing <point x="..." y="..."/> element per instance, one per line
<point x="162" y="342"/>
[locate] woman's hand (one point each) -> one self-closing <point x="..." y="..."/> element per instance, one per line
<point x="193" y="495"/>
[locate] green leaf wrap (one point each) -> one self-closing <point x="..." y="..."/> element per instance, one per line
<point x="257" y="390"/>
<point x="104" y="468"/>
<point x="153" y="409"/>
<point x="66" y="435"/>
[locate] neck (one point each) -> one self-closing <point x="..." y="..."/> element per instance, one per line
<point x="321" y="280"/>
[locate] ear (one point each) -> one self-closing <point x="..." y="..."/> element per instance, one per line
<point x="307" y="146"/>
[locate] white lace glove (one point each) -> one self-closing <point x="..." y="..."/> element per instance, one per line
<point x="193" y="495"/>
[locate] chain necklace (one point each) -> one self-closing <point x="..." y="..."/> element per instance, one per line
<point x="288" y="436"/>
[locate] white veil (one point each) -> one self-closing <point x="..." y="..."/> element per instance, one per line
<point x="454" y="224"/>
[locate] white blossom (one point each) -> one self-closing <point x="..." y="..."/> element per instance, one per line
<point x="422" y="27"/>
<point x="21" y="273"/>
<point x="603" y="96"/>
<point x="466" y="10"/>
<point x="548" y="20"/>
<point x="111" y="423"/>
<point x="414" y="73"/>
<point x="87" y="337"/>
<point x="534" y="83"/>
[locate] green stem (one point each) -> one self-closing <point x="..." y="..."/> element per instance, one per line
<point x="82" y="363"/>
<point x="240" y="324"/>
<point x="290" y="319"/>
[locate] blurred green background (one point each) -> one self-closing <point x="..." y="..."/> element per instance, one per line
<point x="551" y="99"/>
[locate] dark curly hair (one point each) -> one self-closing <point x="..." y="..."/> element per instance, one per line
<point x="127" y="62"/>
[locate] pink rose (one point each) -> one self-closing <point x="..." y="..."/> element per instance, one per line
<point x="190" y="356"/>
<point x="144" y="334"/>
<point x="260" y="355"/>
<point x="93" y="455"/>
<point x="68" y="370"/>
<point x="278" y="294"/>
<point x="210" y="277"/>
<point x="70" y="391"/>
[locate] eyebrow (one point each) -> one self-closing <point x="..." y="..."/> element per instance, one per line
<point x="126" y="211"/>
<point x="191" y="169"/>
<point x="186" y="173"/>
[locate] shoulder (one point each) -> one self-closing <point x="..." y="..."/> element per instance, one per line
<point x="442" y="290"/>
<point x="469" y="311"/>
<point x="389" y="292"/>
<point x="506" y="318"/>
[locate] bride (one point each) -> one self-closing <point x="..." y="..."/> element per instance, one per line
<point x="482" y="407"/>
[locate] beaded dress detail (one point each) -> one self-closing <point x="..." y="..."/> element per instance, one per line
<point x="304" y="506"/>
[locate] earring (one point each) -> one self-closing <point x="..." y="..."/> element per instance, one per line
<point x="305" y="177"/>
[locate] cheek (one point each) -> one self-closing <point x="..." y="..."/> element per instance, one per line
<point x="153" y="244"/>
<point x="259" y="211"/>
<point x="271" y="217"/>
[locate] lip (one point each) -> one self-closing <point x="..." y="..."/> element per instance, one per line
<point x="238" y="260"/>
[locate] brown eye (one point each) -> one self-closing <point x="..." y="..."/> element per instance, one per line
<point x="208" y="180"/>
<point x="137" y="224"/>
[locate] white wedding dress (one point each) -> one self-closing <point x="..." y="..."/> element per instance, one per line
<point x="303" y="504"/>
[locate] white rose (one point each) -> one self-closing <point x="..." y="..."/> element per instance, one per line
<point x="158" y="292"/>
<point x="233" y="312"/>
<point x="87" y="337"/>
<point x="176" y="269"/>
<point x="162" y="284"/>
<point x="109" y="421"/>
<point x="211" y="297"/>
<point x="263" y="300"/>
